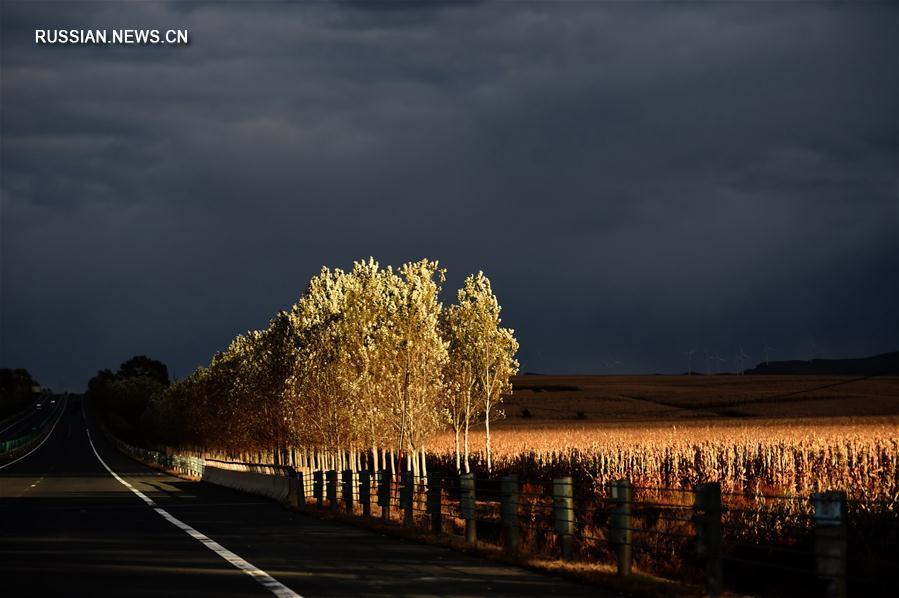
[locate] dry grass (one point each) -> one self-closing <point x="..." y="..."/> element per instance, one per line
<point x="639" y="584"/>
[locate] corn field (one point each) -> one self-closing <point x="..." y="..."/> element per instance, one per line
<point x="756" y="460"/>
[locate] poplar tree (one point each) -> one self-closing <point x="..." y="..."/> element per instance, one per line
<point x="484" y="349"/>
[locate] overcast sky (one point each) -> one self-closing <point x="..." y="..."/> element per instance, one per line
<point x="637" y="179"/>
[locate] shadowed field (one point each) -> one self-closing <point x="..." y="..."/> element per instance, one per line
<point x="542" y="400"/>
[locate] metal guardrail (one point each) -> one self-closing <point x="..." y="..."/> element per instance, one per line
<point x="7" y="446"/>
<point x="194" y="466"/>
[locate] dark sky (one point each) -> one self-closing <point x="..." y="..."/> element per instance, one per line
<point x="637" y="179"/>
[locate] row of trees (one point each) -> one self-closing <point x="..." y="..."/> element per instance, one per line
<point x="17" y="389"/>
<point x="362" y="371"/>
<point x="123" y="396"/>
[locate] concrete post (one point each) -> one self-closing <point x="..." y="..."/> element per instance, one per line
<point x="620" y="524"/>
<point x="509" y="514"/>
<point x="407" y="491"/>
<point x="563" y="515"/>
<point x="467" y="506"/>
<point x="347" y="489"/>
<point x="384" y="493"/>
<point x="318" y="488"/>
<point x="435" y="512"/>
<point x="331" y="481"/>
<point x="830" y="541"/>
<point x="365" y="492"/>
<point x="708" y="534"/>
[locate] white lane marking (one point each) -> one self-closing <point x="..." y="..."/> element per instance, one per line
<point x="49" y="434"/>
<point x="269" y="582"/>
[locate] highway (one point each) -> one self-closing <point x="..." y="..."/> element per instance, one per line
<point x="31" y="418"/>
<point x="80" y="518"/>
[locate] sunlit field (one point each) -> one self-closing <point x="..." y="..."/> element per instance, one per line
<point x="753" y="434"/>
<point x="860" y="455"/>
<point x="668" y="434"/>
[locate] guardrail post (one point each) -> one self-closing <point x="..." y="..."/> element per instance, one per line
<point x="620" y="524"/>
<point x="331" y="488"/>
<point x="435" y="512"/>
<point x="563" y="515"/>
<point x="467" y="506"/>
<point x="406" y="498"/>
<point x="347" y="488"/>
<point x="365" y="492"/>
<point x="830" y="541"/>
<point x="318" y="488"/>
<point x="708" y="533"/>
<point x="509" y="513"/>
<point x="384" y="493"/>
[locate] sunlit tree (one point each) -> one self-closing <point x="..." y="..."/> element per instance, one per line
<point x="366" y="361"/>
<point x="485" y="351"/>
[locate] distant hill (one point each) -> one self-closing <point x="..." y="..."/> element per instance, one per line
<point x="886" y="364"/>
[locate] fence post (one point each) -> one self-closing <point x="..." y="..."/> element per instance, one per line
<point x="347" y="488"/>
<point x="830" y="541"/>
<point x="384" y="493"/>
<point x="620" y="524"/>
<point x="407" y="491"/>
<point x="563" y="514"/>
<point x="318" y="487"/>
<point x="509" y="513"/>
<point x="467" y="506"/>
<point x="707" y="508"/>
<point x="331" y="478"/>
<point x="365" y="492"/>
<point x="435" y="513"/>
<point x="301" y="489"/>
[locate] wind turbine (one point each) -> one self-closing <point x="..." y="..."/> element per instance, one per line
<point x="720" y="361"/>
<point x="743" y="357"/>
<point x="708" y="361"/>
<point x="690" y="361"/>
<point x="767" y="349"/>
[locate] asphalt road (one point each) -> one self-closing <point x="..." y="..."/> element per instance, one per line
<point x="68" y="527"/>
<point x="31" y="418"/>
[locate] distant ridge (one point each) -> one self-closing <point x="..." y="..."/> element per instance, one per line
<point x="886" y="364"/>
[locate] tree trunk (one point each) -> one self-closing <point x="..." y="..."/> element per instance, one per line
<point x="456" y="435"/>
<point x="465" y="460"/>
<point x="487" y="427"/>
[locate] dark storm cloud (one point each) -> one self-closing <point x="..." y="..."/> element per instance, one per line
<point x="637" y="179"/>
